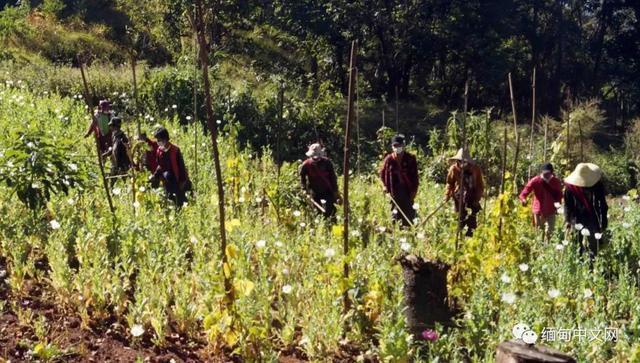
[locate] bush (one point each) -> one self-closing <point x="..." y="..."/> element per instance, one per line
<point x="618" y="171"/>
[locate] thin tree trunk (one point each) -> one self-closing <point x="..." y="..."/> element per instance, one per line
<point x="533" y="120"/>
<point x="135" y="90"/>
<point x="515" y="130"/>
<point x="347" y="137"/>
<point x="204" y="61"/>
<point x="88" y="97"/>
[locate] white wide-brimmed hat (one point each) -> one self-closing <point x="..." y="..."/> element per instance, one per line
<point x="585" y="175"/>
<point x="315" y="150"/>
<point x="461" y="155"/>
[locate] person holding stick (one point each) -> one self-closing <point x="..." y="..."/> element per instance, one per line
<point x="465" y="185"/>
<point x="99" y="125"/>
<point x="585" y="207"/>
<point x="319" y="181"/>
<point x="547" y="191"/>
<point x="171" y="169"/>
<point x="399" y="174"/>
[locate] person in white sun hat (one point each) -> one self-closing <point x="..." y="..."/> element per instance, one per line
<point x="585" y="206"/>
<point x="318" y="179"/>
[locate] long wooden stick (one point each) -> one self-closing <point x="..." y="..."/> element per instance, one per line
<point x="135" y="90"/>
<point x="515" y="130"/>
<point x="88" y="98"/>
<point x="347" y="139"/>
<point x="204" y="61"/>
<point x="461" y="205"/>
<point x="432" y="213"/>
<point x="546" y="129"/>
<point x="533" y="121"/>
<point x="399" y="209"/>
<point x="196" y="125"/>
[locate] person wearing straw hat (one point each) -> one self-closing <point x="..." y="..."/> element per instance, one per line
<point x="465" y="185"/>
<point x="547" y="190"/>
<point x="399" y="174"/>
<point x="319" y="181"/>
<point x="585" y="206"/>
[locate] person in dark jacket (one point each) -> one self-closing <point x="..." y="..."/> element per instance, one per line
<point x="318" y="179"/>
<point x="171" y="169"/>
<point x="585" y="206"/>
<point x="120" y="161"/>
<point x="399" y="174"/>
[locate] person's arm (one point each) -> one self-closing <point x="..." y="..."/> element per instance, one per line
<point x="556" y="186"/>
<point x="303" y="177"/>
<point x="383" y="173"/>
<point x="604" y="207"/>
<point x="182" y="167"/>
<point x="92" y="127"/>
<point x="526" y="191"/>
<point x="479" y="183"/>
<point x="451" y="182"/>
<point x="333" y="177"/>
<point x="569" y="206"/>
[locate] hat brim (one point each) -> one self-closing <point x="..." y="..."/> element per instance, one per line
<point x="585" y="181"/>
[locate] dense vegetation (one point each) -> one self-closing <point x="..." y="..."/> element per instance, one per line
<point x="279" y="74"/>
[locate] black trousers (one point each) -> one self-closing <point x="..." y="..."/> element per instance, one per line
<point x="172" y="189"/>
<point x="405" y="202"/>
<point x="329" y="204"/>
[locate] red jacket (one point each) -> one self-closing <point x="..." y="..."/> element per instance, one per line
<point x="544" y="194"/>
<point x="171" y="160"/>
<point x="150" y="156"/>
<point x="400" y="173"/>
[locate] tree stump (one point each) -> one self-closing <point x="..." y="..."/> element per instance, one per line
<point x="516" y="351"/>
<point x="425" y="293"/>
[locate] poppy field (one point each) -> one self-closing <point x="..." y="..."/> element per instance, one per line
<point x="155" y="274"/>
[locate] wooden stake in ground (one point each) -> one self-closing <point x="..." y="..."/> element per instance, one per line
<point x="135" y="91"/>
<point x="515" y="130"/>
<point x="347" y="139"/>
<point x="397" y="112"/>
<point x="461" y="205"/>
<point x="196" y="126"/>
<point x="533" y="121"/>
<point x="204" y="62"/>
<point x="546" y="130"/>
<point x="88" y="97"/>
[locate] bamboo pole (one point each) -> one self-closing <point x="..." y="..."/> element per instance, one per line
<point x="347" y="137"/>
<point x="460" y="202"/>
<point x="357" y="112"/>
<point x="397" y="112"/>
<point x="135" y="90"/>
<point x="503" y="174"/>
<point x="546" y="130"/>
<point x="533" y="121"/>
<point x="195" y="124"/>
<point x="515" y="130"/>
<point x="88" y="98"/>
<point x="204" y="61"/>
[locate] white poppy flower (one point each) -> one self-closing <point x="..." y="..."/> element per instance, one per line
<point x="54" y="224"/>
<point x="116" y="191"/>
<point x="557" y="205"/>
<point x="578" y="226"/>
<point x="626" y="197"/>
<point x="509" y="298"/>
<point x="137" y="330"/>
<point x="626" y="225"/>
<point x="559" y="247"/>
<point x="627" y="209"/>
<point x="523" y="267"/>
<point x="329" y="252"/>
<point x="279" y="244"/>
<point x="303" y="224"/>
<point x="420" y="235"/>
<point x="285" y="271"/>
<point x="394" y="211"/>
<point x="73" y="167"/>
<point x="323" y="201"/>
<point x="585" y="232"/>
<point x="287" y="289"/>
<point x="598" y="235"/>
<point x="261" y="243"/>
<point x="174" y="106"/>
<point x="296" y="213"/>
<point x="405" y="246"/>
<point x="356" y="233"/>
<point x="587" y="293"/>
<point x="553" y="293"/>
<point x="505" y="278"/>
<point x="565" y="242"/>
<point x="241" y="199"/>
<point x="142" y="189"/>
<point x="136" y="204"/>
<point x="416" y="206"/>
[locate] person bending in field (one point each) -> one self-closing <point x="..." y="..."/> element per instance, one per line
<point x="465" y="185"/>
<point x="171" y="169"/>
<point x="547" y="190"/>
<point x="119" y="150"/>
<point x="399" y="174"/>
<point x="319" y="181"/>
<point x="585" y="207"/>
<point x="99" y="126"/>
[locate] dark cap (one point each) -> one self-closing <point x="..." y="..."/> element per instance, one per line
<point x="398" y="139"/>
<point x="161" y="134"/>
<point x="104" y="103"/>
<point x="547" y="167"/>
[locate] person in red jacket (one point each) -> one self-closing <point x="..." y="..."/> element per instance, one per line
<point x="547" y="190"/>
<point x="318" y="179"/>
<point x="399" y="176"/>
<point x="171" y="169"/>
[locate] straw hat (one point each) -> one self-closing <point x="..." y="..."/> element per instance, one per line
<point x="461" y="155"/>
<point x="315" y="150"/>
<point x="585" y="175"/>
